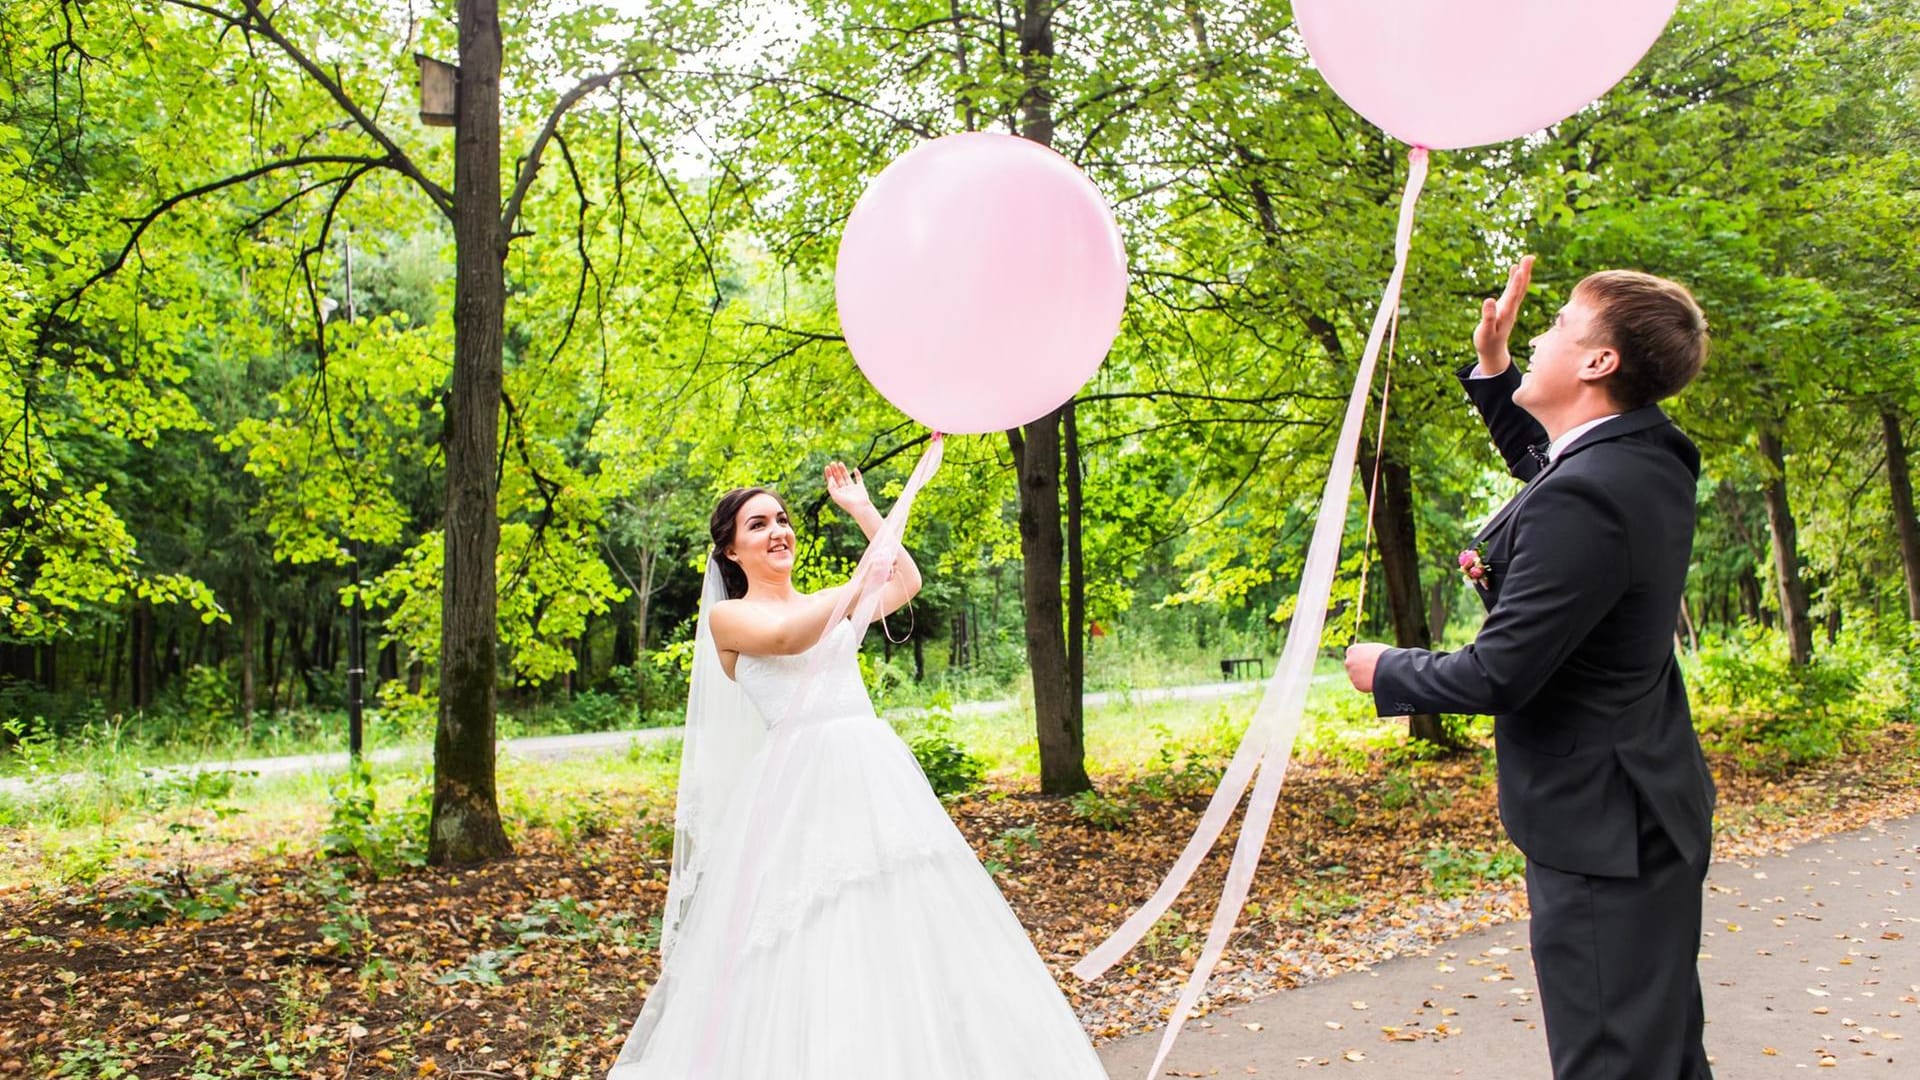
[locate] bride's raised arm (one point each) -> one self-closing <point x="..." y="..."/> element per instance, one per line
<point x="849" y="493"/>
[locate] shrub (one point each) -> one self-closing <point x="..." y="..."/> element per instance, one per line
<point x="1454" y="872"/>
<point x="1012" y="847"/>
<point x="1101" y="811"/>
<point x="382" y="843"/>
<point x="950" y="769"/>
<point x="1751" y="702"/>
<point x="188" y="896"/>
<point x="591" y="710"/>
<point x="403" y="717"/>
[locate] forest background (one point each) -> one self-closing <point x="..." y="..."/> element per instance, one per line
<point x="295" y="385"/>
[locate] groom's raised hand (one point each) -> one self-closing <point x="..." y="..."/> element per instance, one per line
<point x="1497" y="318"/>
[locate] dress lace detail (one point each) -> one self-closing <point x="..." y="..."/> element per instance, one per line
<point x="771" y="682"/>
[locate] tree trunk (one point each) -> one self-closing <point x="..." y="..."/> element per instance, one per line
<point x="1786" y="553"/>
<point x="623" y="651"/>
<point x="295" y="658"/>
<point x="140" y="648"/>
<point x="270" y="636"/>
<point x="465" y="826"/>
<point x="115" y="669"/>
<point x="1900" y="479"/>
<point x="957" y="641"/>
<point x="643" y="613"/>
<point x="1394" y="529"/>
<point x="1439" y="610"/>
<point x="16" y="662"/>
<point x="1751" y="604"/>
<point x="1036" y="455"/>
<point x="249" y="652"/>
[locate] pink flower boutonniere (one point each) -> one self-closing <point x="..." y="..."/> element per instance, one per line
<point x="1473" y="564"/>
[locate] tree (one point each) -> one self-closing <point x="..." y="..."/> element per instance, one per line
<point x="485" y="218"/>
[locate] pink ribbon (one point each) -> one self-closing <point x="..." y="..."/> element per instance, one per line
<point x="1267" y="747"/>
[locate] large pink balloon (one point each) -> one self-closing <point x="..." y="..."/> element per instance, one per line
<point x="1451" y="73"/>
<point x="980" y="282"/>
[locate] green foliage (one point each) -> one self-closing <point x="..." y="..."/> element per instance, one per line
<point x="1751" y="702"/>
<point x="1454" y="871"/>
<point x="1317" y="899"/>
<point x="1011" y="847"/>
<point x="564" y="919"/>
<point x="1101" y="811"/>
<point x="380" y="843"/>
<point x="949" y="767"/>
<point x="1185" y="769"/>
<point x="196" y="896"/>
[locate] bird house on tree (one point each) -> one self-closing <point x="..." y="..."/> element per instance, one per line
<point x="439" y="91"/>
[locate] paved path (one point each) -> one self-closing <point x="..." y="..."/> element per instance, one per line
<point x="556" y="747"/>
<point x="1811" y="963"/>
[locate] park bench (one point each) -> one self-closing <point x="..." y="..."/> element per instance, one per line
<point x="1236" y="668"/>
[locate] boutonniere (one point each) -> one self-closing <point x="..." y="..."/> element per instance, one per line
<point x="1473" y="563"/>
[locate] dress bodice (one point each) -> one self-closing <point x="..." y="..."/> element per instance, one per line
<point x="771" y="681"/>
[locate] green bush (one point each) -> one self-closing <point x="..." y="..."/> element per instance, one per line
<point x="1101" y="811"/>
<point x="1454" y="871"/>
<point x="403" y="717"/>
<point x="591" y="710"/>
<point x="382" y="843"/>
<point x="198" y="897"/>
<point x="950" y="769"/>
<point x="1752" y="703"/>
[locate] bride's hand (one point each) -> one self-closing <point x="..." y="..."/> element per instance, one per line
<point x="848" y="491"/>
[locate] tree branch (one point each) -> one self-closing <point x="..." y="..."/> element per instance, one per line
<point x="146" y="221"/>
<point x="256" y="21"/>
<point x="530" y="164"/>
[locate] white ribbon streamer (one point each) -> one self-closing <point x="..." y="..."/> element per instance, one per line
<point x="1267" y="746"/>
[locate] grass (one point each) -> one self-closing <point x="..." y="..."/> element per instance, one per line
<point x="98" y="742"/>
<point x="125" y="820"/>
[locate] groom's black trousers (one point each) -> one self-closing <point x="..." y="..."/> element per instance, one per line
<point x="1618" y="961"/>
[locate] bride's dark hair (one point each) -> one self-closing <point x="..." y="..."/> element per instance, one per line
<point x="721" y="526"/>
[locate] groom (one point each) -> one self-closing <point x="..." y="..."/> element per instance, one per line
<point x="1602" y="782"/>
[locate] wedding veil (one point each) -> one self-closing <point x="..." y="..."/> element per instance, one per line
<point x="723" y="731"/>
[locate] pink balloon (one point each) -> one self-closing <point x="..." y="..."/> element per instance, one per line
<point x="980" y="282"/>
<point x="1451" y="73"/>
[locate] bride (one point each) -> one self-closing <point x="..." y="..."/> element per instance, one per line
<point x="825" y="918"/>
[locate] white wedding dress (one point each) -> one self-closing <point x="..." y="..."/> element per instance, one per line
<point x="841" y="928"/>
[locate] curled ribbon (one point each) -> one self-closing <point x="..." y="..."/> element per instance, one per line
<point x="1267" y="746"/>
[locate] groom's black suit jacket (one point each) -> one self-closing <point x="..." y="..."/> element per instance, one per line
<point x="1575" y="661"/>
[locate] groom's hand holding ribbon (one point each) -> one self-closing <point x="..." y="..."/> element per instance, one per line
<point x="1362" y="658"/>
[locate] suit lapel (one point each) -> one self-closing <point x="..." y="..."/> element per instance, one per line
<point x="1513" y="504"/>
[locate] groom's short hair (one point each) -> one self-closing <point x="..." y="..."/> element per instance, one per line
<point x="1656" y="327"/>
